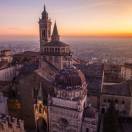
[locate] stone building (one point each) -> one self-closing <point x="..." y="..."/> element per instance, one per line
<point x="6" y="56"/>
<point x="117" y="92"/>
<point x="61" y="101"/>
<point x="126" y="71"/>
<point x="68" y="108"/>
<point x="93" y="74"/>
<point x="7" y="73"/>
<point x="52" y="49"/>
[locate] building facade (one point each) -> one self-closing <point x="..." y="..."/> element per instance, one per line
<point x="126" y="71"/>
<point x="117" y="92"/>
<point x="9" y="72"/>
<point x="6" y="56"/>
<point x="67" y="108"/>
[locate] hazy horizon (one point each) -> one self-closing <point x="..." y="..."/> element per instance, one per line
<point x="36" y="38"/>
<point x="84" y="48"/>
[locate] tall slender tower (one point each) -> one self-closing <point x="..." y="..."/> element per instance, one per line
<point x="44" y="28"/>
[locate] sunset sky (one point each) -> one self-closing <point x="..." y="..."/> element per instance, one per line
<point x="74" y="17"/>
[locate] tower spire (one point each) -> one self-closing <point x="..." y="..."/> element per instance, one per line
<point x="55" y="35"/>
<point x="44" y="13"/>
<point x="40" y="96"/>
<point x="44" y="8"/>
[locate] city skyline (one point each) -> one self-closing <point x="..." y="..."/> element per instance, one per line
<point x="74" y="17"/>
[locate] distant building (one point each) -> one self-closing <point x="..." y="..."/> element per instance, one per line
<point x="8" y="69"/>
<point x="112" y="73"/>
<point x="126" y="71"/>
<point x="7" y="73"/>
<point x="116" y="91"/>
<point x="26" y="57"/>
<point x="94" y="75"/>
<point x="6" y="56"/>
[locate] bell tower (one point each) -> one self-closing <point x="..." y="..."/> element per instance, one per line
<point x="44" y="29"/>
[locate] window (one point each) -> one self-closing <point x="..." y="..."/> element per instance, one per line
<point x="43" y="34"/>
<point x="87" y="129"/>
<point x="55" y="49"/>
<point x="104" y="100"/>
<point x="109" y="100"/>
<point x="123" y="102"/>
<point x="116" y="101"/>
<point x="44" y="49"/>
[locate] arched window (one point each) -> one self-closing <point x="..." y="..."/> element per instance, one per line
<point x="87" y="129"/>
<point x="43" y="34"/>
<point x="116" y="101"/>
<point x="109" y="100"/>
<point x="123" y="102"/>
<point x="104" y="100"/>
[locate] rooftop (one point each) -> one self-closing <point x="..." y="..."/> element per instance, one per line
<point x="119" y="89"/>
<point x="70" y="78"/>
<point x="57" y="44"/>
<point x="93" y="74"/>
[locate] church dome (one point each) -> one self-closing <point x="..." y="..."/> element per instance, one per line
<point x="70" y="78"/>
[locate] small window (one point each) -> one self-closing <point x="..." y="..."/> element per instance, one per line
<point x="109" y="100"/>
<point x="123" y="102"/>
<point x="116" y="101"/>
<point x="87" y="129"/>
<point x="43" y="34"/>
<point x="104" y="100"/>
